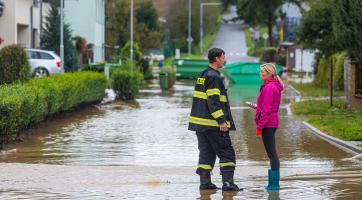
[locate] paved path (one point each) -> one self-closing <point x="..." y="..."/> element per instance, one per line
<point x="231" y="38"/>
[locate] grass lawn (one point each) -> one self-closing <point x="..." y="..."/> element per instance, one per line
<point x="310" y="90"/>
<point x="335" y="121"/>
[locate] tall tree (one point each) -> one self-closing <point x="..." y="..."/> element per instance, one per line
<point x="50" y="39"/>
<point x="177" y="20"/>
<point x="148" y="35"/>
<point x="257" y="12"/>
<point x="347" y="26"/>
<point x="147" y="30"/>
<point x="315" y="31"/>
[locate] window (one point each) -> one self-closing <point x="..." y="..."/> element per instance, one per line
<point x="359" y="80"/>
<point x="32" y="55"/>
<point x="45" y="56"/>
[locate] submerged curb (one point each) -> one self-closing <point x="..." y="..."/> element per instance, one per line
<point x="347" y="146"/>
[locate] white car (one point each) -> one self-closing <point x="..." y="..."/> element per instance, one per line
<point x="44" y="63"/>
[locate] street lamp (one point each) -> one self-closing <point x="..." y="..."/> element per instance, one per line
<point x="201" y="22"/>
<point x="62" y="32"/>
<point x="189" y="38"/>
<point x="131" y="27"/>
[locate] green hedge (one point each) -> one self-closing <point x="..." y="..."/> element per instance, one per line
<point x="126" y="83"/>
<point x="14" y="65"/>
<point x="338" y="76"/>
<point x="24" y="104"/>
<point x="323" y="73"/>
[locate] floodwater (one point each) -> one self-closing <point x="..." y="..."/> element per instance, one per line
<point x="143" y="150"/>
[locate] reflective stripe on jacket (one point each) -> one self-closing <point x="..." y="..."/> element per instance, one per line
<point x="210" y="106"/>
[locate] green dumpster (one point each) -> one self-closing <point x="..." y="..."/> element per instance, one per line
<point x="189" y="68"/>
<point x="164" y="84"/>
<point x="241" y="72"/>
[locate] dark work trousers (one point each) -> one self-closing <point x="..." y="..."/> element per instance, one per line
<point x="212" y="144"/>
<point x="270" y="147"/>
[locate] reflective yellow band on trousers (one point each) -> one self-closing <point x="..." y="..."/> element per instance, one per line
<point x="217" y="113"/>
<point x="225" y="164"/>
<point x="204" y="166"/>
<point x="203" y="95"/>
<point x="205" y="122"/>
<point x="214" y="91"/>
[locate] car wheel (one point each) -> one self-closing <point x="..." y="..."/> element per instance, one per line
<point x="40" y="72"/>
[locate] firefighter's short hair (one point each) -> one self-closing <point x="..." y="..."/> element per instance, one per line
<point x="215" y="53"/>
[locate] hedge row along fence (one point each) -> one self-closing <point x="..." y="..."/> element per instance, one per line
<point x="24" y="104"/>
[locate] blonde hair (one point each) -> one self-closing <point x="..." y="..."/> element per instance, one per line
<point x="271" y="69"/>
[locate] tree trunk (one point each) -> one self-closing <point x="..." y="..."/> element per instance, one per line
<point x="270" y="30"/>
<point x="331" y="81"/>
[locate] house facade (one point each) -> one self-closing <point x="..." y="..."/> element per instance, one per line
<point x="87" y="20"/>
<point x="20" y="23"/>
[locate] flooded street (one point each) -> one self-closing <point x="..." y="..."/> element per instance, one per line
<point x="143" y="150"/>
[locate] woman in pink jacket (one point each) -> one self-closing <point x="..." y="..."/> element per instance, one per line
<point x="266" y="118"/>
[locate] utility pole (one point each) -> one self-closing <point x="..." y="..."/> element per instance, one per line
<point x="62" y="32"/>
<point x="189" y="38"/>
<point x="131" y="26"/>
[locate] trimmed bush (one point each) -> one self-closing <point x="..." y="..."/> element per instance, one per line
<point x="171" y="75"/>
<point x="323" y="73"/>
<point x="338" y="76"/>
<point x="321" y="79"/>
<point x="14" y="65"/>
<point x="24" y="104"/>
<point x="126" y="83"/>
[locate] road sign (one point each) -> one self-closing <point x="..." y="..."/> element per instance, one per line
<point x="265" y="36"/>
<point x="190" y="39"/>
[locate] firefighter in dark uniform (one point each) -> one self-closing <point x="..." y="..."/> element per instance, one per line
<point x="211" y="119"/>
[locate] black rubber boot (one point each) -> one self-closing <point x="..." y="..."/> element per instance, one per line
<point x="228" y="181"/>
<point x="205" y="181"/>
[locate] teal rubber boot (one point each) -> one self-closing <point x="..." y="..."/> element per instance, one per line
<point x="273" y="180"/>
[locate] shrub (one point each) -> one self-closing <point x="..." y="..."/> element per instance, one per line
<point x="14" y="65"/>
<point x="125" y="52"/>
<point x="321" y="79"/>
<point x="338" y="76"/>
<point x="323" y="74"/>
<point x="126" y="83"/>
<point x="269" y="55"/>
<point x="24" y="104"/>
<point x="171" y="75"/>
<point x="145" y="69"/>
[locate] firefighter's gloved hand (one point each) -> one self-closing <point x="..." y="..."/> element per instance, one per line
<point x="223" y="127"/>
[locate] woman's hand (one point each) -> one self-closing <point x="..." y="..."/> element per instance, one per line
<point x="251" y="105"/>
<point x="258" y="134"/>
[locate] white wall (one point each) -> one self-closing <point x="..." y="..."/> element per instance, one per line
<point x="308" y="60"/>
<point x="16" y="21"/>
<point x="7" y="24"/>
